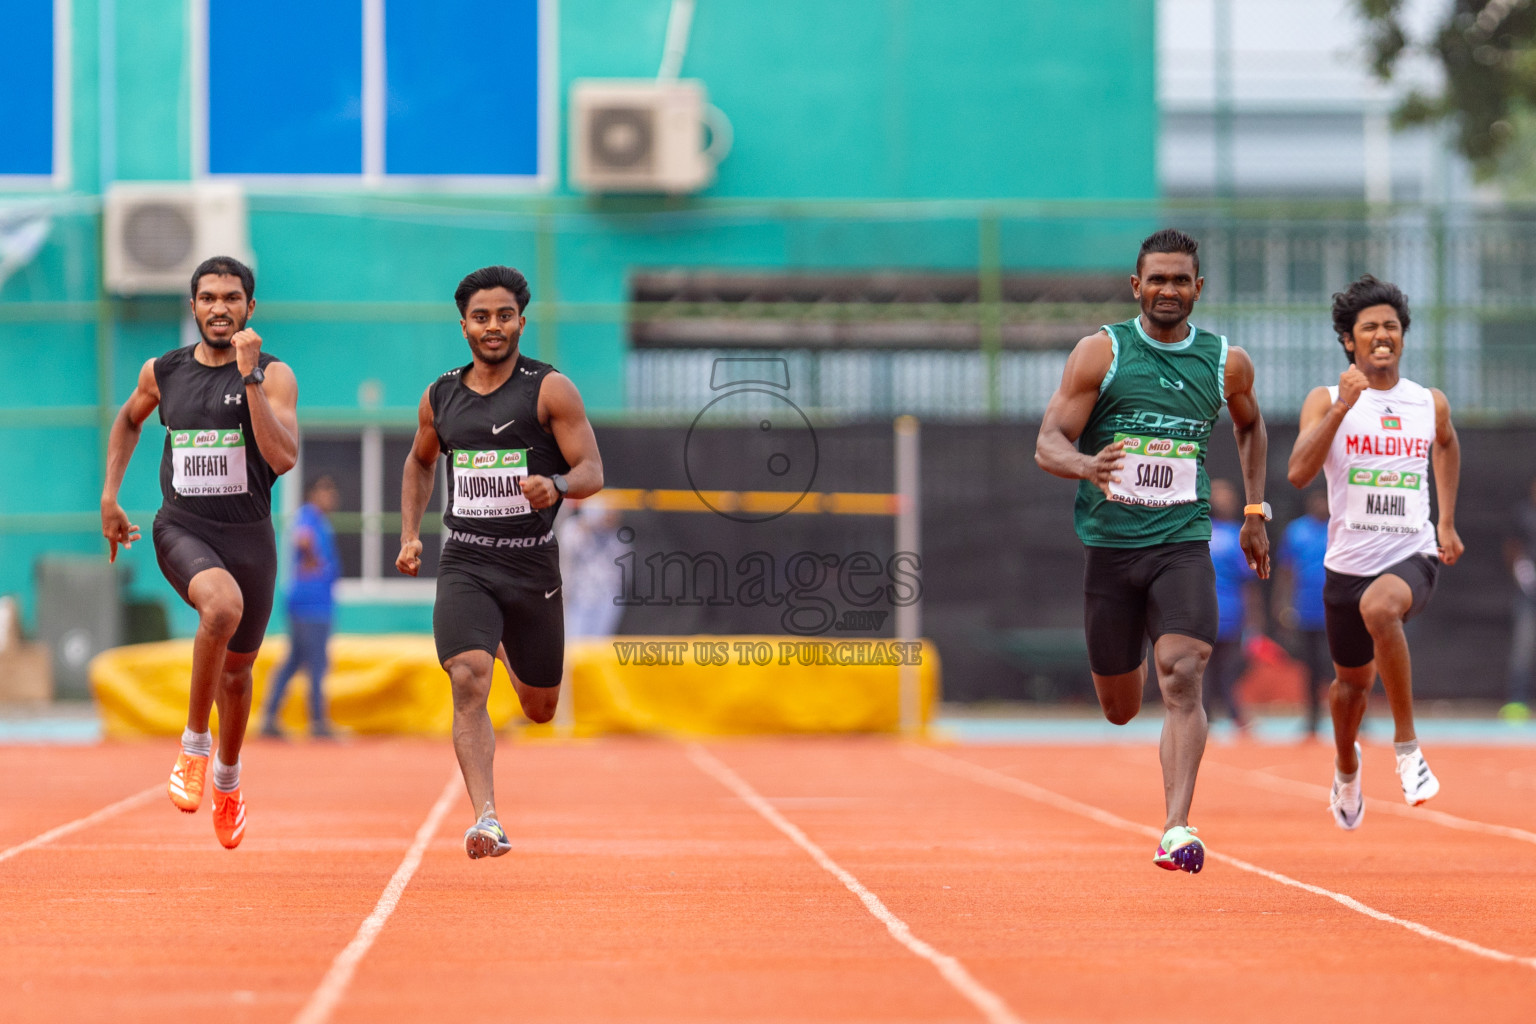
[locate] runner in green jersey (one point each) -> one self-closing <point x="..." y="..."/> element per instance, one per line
<point x="1131" y="421"/>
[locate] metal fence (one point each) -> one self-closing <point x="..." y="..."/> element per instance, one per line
<point x="1270" y="273"/>
<point x="993" y="348"/>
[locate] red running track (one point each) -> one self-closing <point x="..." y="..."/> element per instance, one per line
<point x="764" y="880"/>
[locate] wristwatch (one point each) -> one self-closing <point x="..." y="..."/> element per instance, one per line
<point x="561" y="483"/>
<point x="1261" y="509"/>
<point x="256" y="376"/>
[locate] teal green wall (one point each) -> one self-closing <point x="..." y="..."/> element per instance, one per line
<point x="843" y="111"/>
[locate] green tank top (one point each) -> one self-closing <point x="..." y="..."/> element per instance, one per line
<point x="1163" y="401"/>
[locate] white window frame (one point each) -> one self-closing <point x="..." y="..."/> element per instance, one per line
<point x="374" y="175"/>
<point x="378" y="583"/>
<point x="63" y="67"/>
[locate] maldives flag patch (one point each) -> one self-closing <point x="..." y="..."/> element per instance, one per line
<point x="1391" y="423"/>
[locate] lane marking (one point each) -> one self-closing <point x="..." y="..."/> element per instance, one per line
<point x="334" y="985"/>
<point x="989" y="1003"/>
<point x="127" y="803"/>
<point x="1292" y="787"/>
<point x="986" y="776"/>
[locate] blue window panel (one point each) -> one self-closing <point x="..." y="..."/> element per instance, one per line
<point x="463" y="87"/>
<point x="285" y="87"/>
<point x="26" y="87"/>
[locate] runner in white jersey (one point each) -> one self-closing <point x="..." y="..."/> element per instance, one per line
<point x="1376" y="436"/>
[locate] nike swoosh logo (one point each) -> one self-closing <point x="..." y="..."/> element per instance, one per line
<point x="504" y="426"/>
<point x="551" y="593"/>
<point x="1164" y="382"/>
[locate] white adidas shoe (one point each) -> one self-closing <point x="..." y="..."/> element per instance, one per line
<point x="1419" y="783"/>
<point x="1346" y="801"/>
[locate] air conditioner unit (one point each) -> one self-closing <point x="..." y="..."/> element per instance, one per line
<point x="641" y="136"/>
<point x="156" y="233"/>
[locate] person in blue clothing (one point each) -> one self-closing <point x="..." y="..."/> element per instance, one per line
<point x="1236" y="603"/>
<point x="1299" y="596"/>
<point x="311" y="605"/>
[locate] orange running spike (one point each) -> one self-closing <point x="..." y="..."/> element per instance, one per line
<point x="229" y="817"/>
<point x="186" y="785"/>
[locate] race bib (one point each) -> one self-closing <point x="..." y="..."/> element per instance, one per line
<point x="1157" y="471"/>
<point x="1386" y="501"/>
<point x="205" y="462"/>
<point x="490" y="484"/>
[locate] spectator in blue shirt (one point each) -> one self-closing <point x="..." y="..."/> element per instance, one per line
<point x="1299" y="595"/>
<point x="311" y="605"/>
<point x="1237" y="603"/>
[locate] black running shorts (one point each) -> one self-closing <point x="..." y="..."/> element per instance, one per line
<point x="1138" y="594"/>
<point x="187" y="544"/>
<point x="481" y="606"/>
<point x="1349" y="642"/>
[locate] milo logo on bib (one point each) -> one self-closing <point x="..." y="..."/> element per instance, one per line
<point x="489" y="484"/>
<point x="1157" y="471"/>
<point x="1386" y="501"/>
<point x="208" y="462"/>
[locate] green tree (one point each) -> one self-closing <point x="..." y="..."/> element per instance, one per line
<point x="1487" y="50"/>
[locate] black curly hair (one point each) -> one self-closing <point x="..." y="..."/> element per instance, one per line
<point x="1170" y="240"/>
<point x="493" y="277"/>
<point x="1361" y="295"/>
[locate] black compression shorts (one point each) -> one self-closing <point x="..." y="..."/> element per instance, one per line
<point x="481" y="606"/>
<point x="187" y="544"/>
<point x="1136" y="594"/>
<point x="1349" y="642"/>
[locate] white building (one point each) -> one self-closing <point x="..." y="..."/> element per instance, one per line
<point x="1296" y="108"/>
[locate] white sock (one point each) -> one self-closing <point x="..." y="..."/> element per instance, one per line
<point x="1346" y="779"/>
<point x="1406" y="747"/>
<point x="226" y="777"/>
<point x="199" y="743"/>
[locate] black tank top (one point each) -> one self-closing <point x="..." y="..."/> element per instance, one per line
<point x="212" y="466"/>
<point x="492" y="443"/>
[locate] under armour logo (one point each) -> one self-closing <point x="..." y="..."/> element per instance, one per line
<point x="1179" y="386"/>
<point x="237" y="399"/>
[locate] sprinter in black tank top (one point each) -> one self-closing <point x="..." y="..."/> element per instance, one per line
<point x="231" y="431"/>
<point x="518" y="442"/>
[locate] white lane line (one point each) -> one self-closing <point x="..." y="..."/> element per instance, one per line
<point x="334" y="985"/>
<point x="1291" y="787"/>
<point x="984" y="999"/>
<point x="986" y="776"/>
<point x="127" y="803"/>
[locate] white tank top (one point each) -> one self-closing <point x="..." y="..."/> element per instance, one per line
<point x="1378" y="480"/>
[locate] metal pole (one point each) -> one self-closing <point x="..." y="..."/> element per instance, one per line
<point x="990" y="304"/>
<point x="373" y="505"/>
<point x="545" y="301"/>
<point x="909" y="621"/>
<point x="1226" y="170"/>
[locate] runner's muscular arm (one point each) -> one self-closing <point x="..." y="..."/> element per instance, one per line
<point x="1067" y="414"/>
<point x="121" y="442"/>
<point x="1445" y="458"/>
<point x="562" y="413"/>
<point x="1320" y="420"/>
<point x="274" y="404"/>
<point x="416" y="486"/>
<point x="1252" y="454"/>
